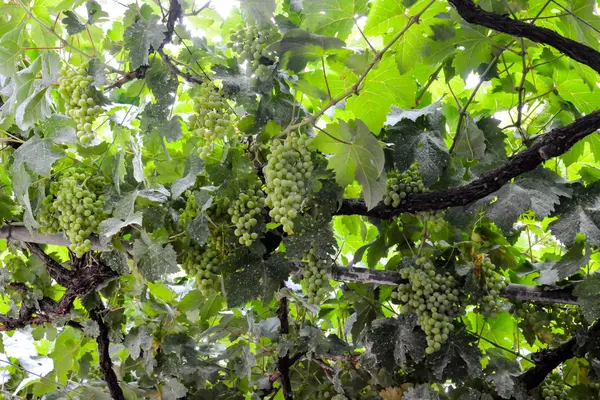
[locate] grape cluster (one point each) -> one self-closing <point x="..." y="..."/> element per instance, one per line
<point x="400" y="184"/>
<point x="244" y="211"/>
<point x="554" y="388"/>
<point x="324" y="392"/>
<point x="75" y="87"/>
<point x="251" y="42"/>
<point x="315" y="278"/>
<point x="190" y="212"/>
<point x="491" y="285"/>
<point x="288" y="170"/>
<point x="550" y="321"/>
<point x="434" y="297"/>
<point x="202" y="262"/>
<point x="75" y="206"/>
<point x="212" y="117"/>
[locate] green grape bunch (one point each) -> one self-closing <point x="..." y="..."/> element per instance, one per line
<point x="244" y="212"/>
<point x="550" y="322"/>
<point x="324" y="392"/>
<point x="251" y="42"/>
<point x="315" y="278"/>
<point x="287" y="176"/>
<point x="434" y="297"/>
<point x="75" y="87"/>
<point x="554" y="388"/>
<point x="202" y="263"/>
<point x="401" y="184"/>
<point x="212" y="118"/>
<point x="75" y="206"/>
<point x="491" y="284"/>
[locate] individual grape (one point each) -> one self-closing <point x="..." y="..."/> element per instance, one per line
<point x="251" y="42"/>
<point x="434" y="297"/>
<point x="75" y="206"/>
<point x="75" y="87"/>
<point x="244" y="212"/>
<point x="202" y="262"/>
<point x="212" y="118"/>
<point x="315" y="278"/>
<point x="491" y="285"/>
<point x="400" y="184"/>
<point x="553" y="388"/>
<point x="287" y="175"/>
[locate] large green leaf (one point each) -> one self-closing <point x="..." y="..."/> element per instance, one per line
<point x="355" y="154"/>
<point x="332" y="17"/>
<point x="578" y="215"/>
<point x="153" y="258"/>
<point x="141" y="37"/>
<point x="298" y="47"/>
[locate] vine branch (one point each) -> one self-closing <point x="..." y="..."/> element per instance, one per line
<point x="105" y="362"/>
<point x="552" y="144"/>
<point x="571" y="48"/>
<point x="283" y="362"/>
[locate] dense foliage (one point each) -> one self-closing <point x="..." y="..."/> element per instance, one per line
<point x="310" y="199"/>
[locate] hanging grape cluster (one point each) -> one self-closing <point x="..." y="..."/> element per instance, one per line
<point x="550" y="321"/>
<point x="554" y="388"/>
<point x="287" y="174"/>
<point x="75" y="87"/>
<point x="212" y="118"/>
<point x="244" y="212"/>
<point x="202" y="262"/>
<point x="491" y="285"/>
<point x="400" y="184"/>
<point x="74" y="206"/>
<point x="434" y="297"/>
<point x="315" y="278"/>
<point x="324" y="392"/>
<point x="251" y="42"/>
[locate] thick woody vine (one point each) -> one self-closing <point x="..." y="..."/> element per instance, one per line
<point x="283" y="194"/>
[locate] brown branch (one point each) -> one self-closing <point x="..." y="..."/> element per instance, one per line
<point x="176" y="71"/>
<point x="60" y="274"/>
<point x="571" y="48"/>
<point x="548" y="359"/>
<point x="138" y="73"/>
<point x="104" y="358"/>
<point x="198" y="11"/>
<point x="283" y="362"/>
<point x="29" y="315"/>
<point x="175" y="13"/>
<point x="552" y="144"/>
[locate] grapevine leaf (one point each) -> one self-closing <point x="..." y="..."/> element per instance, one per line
<point x="477" y="49"/>
<point x="470" y="142"/>
<point x="420" y="392"/>
<point x="7" y="207"/>
<point x="380" y="91"/>
<point x="21" y="180"/>
<point x="173" y="389"/>
<point x="424" y="145"/>
<point x="93" y="393"/>
<point x="38" y="154"/>
<point x="576" y="258"/>
<point x="158" y="194"/>
<point x="457" y="359"/>
<point x="246" y="276"/>
<point x="259" y="11"/>
<point x="33" y="109"/>
<point x="398" y="334"/>
<point x="572" y="88"/>
<point x="162" y="83"/>
<point x="138" y="339"/>
<point x="333" y="18"/>
<point x="119" y="170"/>
<point x="95" y="12"/>
<point x="310" y="233"/>
<point x="72" y="23"/>
<point x="153" y="259"/>
<point x="142" y="36"/>
<point x="156" y="118"/>
<point x="198" y="229"/>
<point x="111" y="226"/>
<point x="91" y="328"/>
<point x="299" y="47"/>
<point x="116" y="260"/>
<point x="193" y="167"/>
<point x="587" y="295"/>
<point x="385" y="16"/>
<point x="539" y="190"/>
<point x="59" y="129"/>
<point x="578" y="215"/>
<point x="355" y="153"/>
<point x="398" y="114"/>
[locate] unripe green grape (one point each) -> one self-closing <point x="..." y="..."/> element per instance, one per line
<point x="316" y="282"/>
<point x="491" y="284"/>
<point x="202" y="262"/>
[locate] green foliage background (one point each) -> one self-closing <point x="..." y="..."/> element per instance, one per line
<point x="379" y="85"/>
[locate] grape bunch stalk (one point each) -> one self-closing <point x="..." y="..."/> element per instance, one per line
<point x="315" y="278"/>
<point x="287" y="175"/>
<point x="251" y="42"/>
<point x="434" y="297"/>
<point x="75" y="87"/>
<point x="244" y="212"/>
<point x="400" y="184"/>
<point x="212" y="118"/>
<point x="75" y="206"/>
